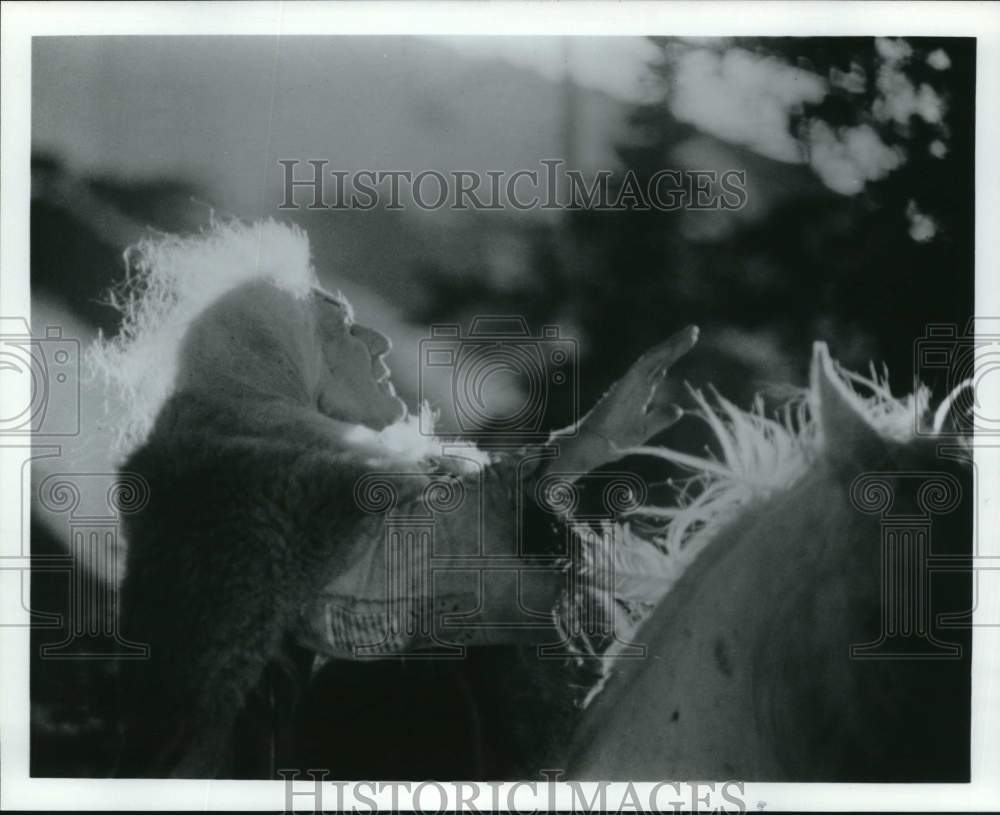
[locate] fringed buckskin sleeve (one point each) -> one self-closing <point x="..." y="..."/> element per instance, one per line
<point x="444" y="559"/>
<point x="503" y="555"/>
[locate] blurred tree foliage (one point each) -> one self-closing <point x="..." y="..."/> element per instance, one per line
<point x="822" y="265"/>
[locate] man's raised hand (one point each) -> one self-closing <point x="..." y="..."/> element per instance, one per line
<point x="635" y="408"/>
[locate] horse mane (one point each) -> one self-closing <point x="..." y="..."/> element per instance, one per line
<point x="763" y="455"/>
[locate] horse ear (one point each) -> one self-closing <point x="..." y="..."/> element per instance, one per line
<point x="849" y="439"/>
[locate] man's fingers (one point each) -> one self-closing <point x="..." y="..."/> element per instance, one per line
<point x="659" y="397"/>
<point x="659" y="359"/>
<point x="645" y="391"/>
<point x="659" y="409"/>
<point x="659" y="418"/>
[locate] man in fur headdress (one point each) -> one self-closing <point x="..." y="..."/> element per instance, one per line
<point x="259" y="407"/>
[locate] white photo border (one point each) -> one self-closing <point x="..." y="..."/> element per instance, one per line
<point x="23" y="20"/>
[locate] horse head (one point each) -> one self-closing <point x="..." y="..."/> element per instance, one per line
<point x="805" y="642"/>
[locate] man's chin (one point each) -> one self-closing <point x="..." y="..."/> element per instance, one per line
<point x="402" y="411"/>
<point x="377" y="411"/>
<point x="395" y="410"/>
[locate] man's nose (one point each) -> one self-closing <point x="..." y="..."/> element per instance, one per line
<point x="377" y="342"/>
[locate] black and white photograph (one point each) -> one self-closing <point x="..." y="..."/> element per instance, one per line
<point x="414" y="405"/>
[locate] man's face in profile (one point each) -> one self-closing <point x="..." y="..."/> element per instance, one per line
<point x="354" y="381"/>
